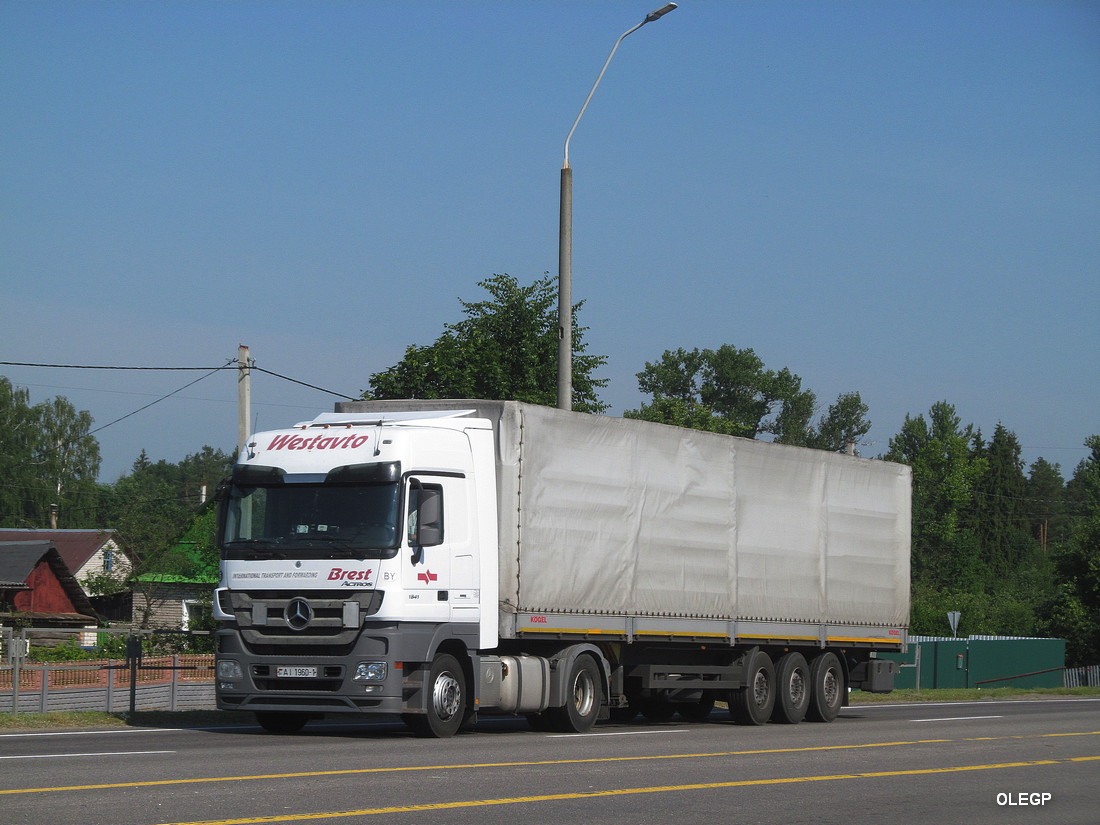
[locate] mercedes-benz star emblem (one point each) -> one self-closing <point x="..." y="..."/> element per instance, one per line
<point x="298" y="614"/>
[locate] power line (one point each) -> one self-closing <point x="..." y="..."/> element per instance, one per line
<point x="151" y="403"/>
<point x="94" y="367"/>
<point x="230" y="365"/>
<point x="303" y="383"/>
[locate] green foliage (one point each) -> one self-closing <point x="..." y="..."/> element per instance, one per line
<point x="1046" y="503"/>
<point x="945" y="472"/>
<point x="1074" y="611"/>
<point x="729" y="391"/>
<point x="47" y="456"/>
<point x="506" y="348"/>
<point x="1005" y="613"/>
<point x="108" y="646"/>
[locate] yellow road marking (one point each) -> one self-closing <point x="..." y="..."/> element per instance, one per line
<point x="699" y="786"/>
<point x="601" y="760"/>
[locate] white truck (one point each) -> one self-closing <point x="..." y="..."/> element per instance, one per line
<point x="438" y="560"/>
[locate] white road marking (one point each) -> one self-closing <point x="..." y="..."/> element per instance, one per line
<point x="60" y="755"/>
<point x="613" y="733"/>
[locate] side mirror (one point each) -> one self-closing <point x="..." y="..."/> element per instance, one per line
<point x="425" y="515"/>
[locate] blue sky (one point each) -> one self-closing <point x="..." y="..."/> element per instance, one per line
<point x="897" y="198"/>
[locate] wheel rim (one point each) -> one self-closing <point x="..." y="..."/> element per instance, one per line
<point x="797" y="688"/>
<point x="584" y="693"/>
<point x="446" y="696"/>
<point x="830" y="687"/>
<point x="760" y="688"/>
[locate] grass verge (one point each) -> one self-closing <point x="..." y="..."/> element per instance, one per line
<point x="858" y="697"/>
<point x="62" y="720"/>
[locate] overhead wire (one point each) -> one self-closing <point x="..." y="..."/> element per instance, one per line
<point x="151" y="403"/>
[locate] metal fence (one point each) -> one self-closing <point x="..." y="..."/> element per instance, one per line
<point x="164" y="683"/>
<point x="1082" y="676"/>
<point x="168" y="682"/>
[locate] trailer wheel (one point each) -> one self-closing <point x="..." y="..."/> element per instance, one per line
<point x="792" y="696"/>
<point x="447" y="709"/>
<point x="276" y="722"/>
<point x="582" y="698"/>
<point x="826" y="688"/>
<point x="753" y="703"/>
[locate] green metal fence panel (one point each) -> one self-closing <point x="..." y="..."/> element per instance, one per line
<point x="980" y="663"/>
<point x="950" y="659"/>
<point x="1022" y="663"/>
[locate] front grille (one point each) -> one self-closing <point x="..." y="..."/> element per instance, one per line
<point x="333" y="650"/>
<point x="335" y="621"/>
<point x="299" y="685"/>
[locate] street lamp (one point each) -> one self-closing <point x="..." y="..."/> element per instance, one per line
<point x="565" y="237"/>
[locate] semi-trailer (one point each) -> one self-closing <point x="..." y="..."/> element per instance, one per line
<point x="437" y="560"/>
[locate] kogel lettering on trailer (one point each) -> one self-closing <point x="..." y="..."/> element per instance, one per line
<point x="317" y="442"/>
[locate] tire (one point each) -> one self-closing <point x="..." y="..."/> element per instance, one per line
<point x="792" y="689"/>
<point x="697" y="711"/>
<point x="277" y="722"/>
<point x="753" y="703"/>
<point x="447" y="701"/>
<point x="583" y="697"/>
<point x="826" y="688"/>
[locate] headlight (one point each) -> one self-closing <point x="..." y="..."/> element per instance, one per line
<point x="370" y="672"/>
<point x="228" y="670"/>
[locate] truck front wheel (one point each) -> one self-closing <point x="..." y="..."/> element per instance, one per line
<point x="826" y="688"/>
<point x="446" y="700"/>
<point x="582" y="698"/>
<point x="753" y="703"/>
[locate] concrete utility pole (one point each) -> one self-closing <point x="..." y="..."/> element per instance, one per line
<point x="244" y="395"/>
<point x="565" y="237"/>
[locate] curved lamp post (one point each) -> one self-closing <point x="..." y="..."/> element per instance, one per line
<point x="565" y="237"/>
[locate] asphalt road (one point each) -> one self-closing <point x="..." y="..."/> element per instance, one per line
<point x="973" y="763"/>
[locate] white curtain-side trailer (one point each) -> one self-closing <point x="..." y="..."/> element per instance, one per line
<point x="441" y="559"/>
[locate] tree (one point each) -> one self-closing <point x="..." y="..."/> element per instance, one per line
<point x="505" y="348"/>
<point x="1000" y="514"/>
<point x="48" y="456"/>
<point x="844" y="424"/>
<point x="945" y="550"/>
<point x="1045" y="491"/>
<point x="1074" y="613"/>
<point x="16" y="454"/>
<point x="729" y="391"/>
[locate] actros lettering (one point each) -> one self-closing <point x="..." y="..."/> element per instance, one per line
<point x="318" y="442"/>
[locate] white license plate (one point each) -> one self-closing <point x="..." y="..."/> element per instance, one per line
<point x="295" y="672"/>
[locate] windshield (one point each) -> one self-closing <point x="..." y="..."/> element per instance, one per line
<point x="311" y="521"/>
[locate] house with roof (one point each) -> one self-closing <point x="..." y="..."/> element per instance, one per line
<point x="37" y="587"/>
<point x="178" y="595"/>
<point x="89" y="555"/>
